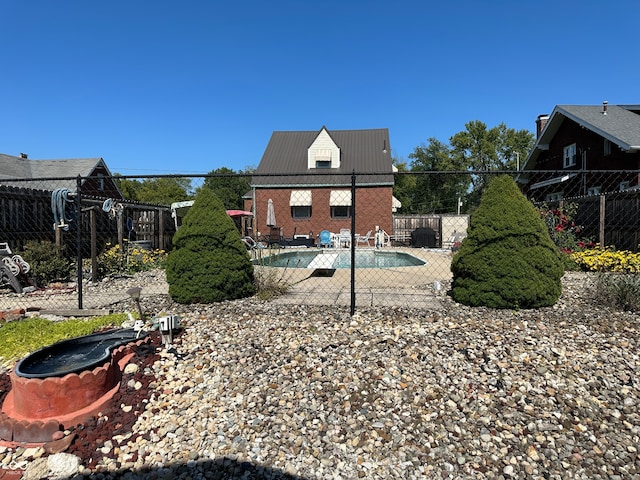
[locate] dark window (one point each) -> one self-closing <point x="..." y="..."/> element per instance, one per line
<point x="323" y="163"/>
<point x="301" y="212"/>
<point x="340" y="212"/>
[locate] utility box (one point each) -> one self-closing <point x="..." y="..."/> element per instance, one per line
<point x="168" y="323"/>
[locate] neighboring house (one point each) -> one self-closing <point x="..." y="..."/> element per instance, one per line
<point x="27" y="192"/>
<point x="307" y="177"/>
<point x="44" y="175"/>
<point x="577" y="141"/>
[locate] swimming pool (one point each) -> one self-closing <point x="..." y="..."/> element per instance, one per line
<point x="340" y="259"/>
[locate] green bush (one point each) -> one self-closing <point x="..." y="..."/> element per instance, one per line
<point x="209" y="262"/>
<point x="45" y="265"/>
<point x="507" y="259"/>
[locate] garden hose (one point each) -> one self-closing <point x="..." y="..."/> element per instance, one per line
<point x="59" y="199"/>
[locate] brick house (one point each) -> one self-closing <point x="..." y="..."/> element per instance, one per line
<point x="577" y="141"/>
<point x="307" y="177"/>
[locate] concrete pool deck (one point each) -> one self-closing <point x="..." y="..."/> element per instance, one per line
<point x="397" y="286"/>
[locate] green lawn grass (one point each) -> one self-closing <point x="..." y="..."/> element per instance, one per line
<point x="19" y="338"/>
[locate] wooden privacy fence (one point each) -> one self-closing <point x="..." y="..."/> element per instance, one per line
<point x="612" y="219"/>
<point x="26" y="215"/>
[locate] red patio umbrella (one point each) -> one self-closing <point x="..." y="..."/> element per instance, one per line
<point x="239" y="213"/>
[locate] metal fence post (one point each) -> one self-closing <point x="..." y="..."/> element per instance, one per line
<point x="79" y="238"/>
<point x="353" y="243"/>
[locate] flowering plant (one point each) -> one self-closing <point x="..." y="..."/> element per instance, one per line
<point x="564" y="232"/>
<point x="129" y="259"/>
<point x="608" y="260"/>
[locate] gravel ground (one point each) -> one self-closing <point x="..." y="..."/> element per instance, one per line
<point x="256" y="390"/>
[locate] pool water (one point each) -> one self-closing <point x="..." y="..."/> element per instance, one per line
<point x="364" y="259"/>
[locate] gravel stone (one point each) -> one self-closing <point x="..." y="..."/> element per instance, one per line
<point x="252" y="389"/>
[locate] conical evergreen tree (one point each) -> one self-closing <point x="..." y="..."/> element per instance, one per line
<point x="209" y="261"/>
<point x="507" y="259"/>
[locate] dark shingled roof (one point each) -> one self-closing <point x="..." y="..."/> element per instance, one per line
<point x="367" y="152"/>
<point x="23" y="168"/>
<point x="620" y="125"/>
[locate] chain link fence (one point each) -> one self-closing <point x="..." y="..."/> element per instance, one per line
<point x="349" y="241"/>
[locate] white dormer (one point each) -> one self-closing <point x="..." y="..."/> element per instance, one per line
<point x="323" y="152"/>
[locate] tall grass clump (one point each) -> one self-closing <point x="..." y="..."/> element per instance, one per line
<point x="619" y="290"/>
<point x="271" y="282"/>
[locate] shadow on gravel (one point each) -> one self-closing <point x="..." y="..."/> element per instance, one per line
<point x="217" y="469"/>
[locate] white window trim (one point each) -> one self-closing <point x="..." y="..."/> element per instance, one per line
<point x="569" y="156"/>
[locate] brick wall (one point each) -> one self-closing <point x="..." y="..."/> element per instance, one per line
<point x="373" y="208"/>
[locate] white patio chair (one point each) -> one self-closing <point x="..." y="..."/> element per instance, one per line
<point x="345" y="237"/>
<point x="362" y="239"/>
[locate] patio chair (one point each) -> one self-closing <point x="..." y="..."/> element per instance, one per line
<point x="360" y="239"/>
<point x="249" y="242"/>
<point x="344" y="237"/>
<point x="324" y="239"/>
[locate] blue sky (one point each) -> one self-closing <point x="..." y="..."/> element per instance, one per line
<point x="158" y="87"/>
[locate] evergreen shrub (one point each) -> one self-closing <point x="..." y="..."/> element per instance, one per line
<point x="209" y="262"/>
<point x="46" y="266"/>
<point x="507" y="259"/>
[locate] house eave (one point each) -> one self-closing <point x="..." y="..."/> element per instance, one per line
<point x="321" y="185"/>
<point x="552" y="181"/>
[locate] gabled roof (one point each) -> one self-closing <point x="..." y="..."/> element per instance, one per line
<point x="23" y="168"/>
<point x="620" y="125"/>
<point x="285" y="164"/>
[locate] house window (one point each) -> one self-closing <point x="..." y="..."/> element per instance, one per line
<point x="607" y="147"/>
<point x="340" y="212"/>
<point x="301" y="212"/>
<point x="323" y="158"/>
<point x="569" y="155"/>
<point x="100" y="182"/>
<point x="593" y="191"/>
<point x="300" y="203"/>
<point x="624" y="186"/>
<point x="340" y="202"/>
<point x="553" y="197"/>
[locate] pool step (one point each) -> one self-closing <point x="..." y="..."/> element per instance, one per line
<point x="323" y="260"/>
